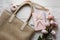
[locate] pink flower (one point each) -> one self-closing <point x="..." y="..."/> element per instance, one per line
<point x="44" y="31"/>
<point x="47" y="24"/>
<point x="50" y="17"/>
<point x="56" y="24"/>
<point x="53" y="23"/>
<point x="53" y="32"/>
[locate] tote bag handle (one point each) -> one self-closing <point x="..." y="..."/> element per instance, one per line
<point x="14" y="14"/>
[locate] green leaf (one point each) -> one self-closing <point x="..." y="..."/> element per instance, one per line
<point x="39" y="38"/>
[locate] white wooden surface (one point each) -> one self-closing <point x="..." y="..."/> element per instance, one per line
<point x="53" y="5"/>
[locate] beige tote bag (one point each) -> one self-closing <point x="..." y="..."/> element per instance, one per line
<point x="12" y="28"/>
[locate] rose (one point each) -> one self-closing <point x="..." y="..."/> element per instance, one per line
<point x="50" y="17"/>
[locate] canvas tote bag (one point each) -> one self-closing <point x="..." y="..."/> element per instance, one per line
<point x="12" y="28"/>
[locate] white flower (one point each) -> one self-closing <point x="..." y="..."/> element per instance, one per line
<point x="44" y="31"/>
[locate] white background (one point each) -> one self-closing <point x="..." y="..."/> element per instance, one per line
<point x="52" y="5"/>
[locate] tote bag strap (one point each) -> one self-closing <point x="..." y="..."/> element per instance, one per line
<point x="22" y="5"/>
<point x="40" y="7"/>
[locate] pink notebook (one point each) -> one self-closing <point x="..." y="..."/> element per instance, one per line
<point x="39" y="19"/>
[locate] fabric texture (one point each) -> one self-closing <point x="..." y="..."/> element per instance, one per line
<point x="10" y="26"/>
